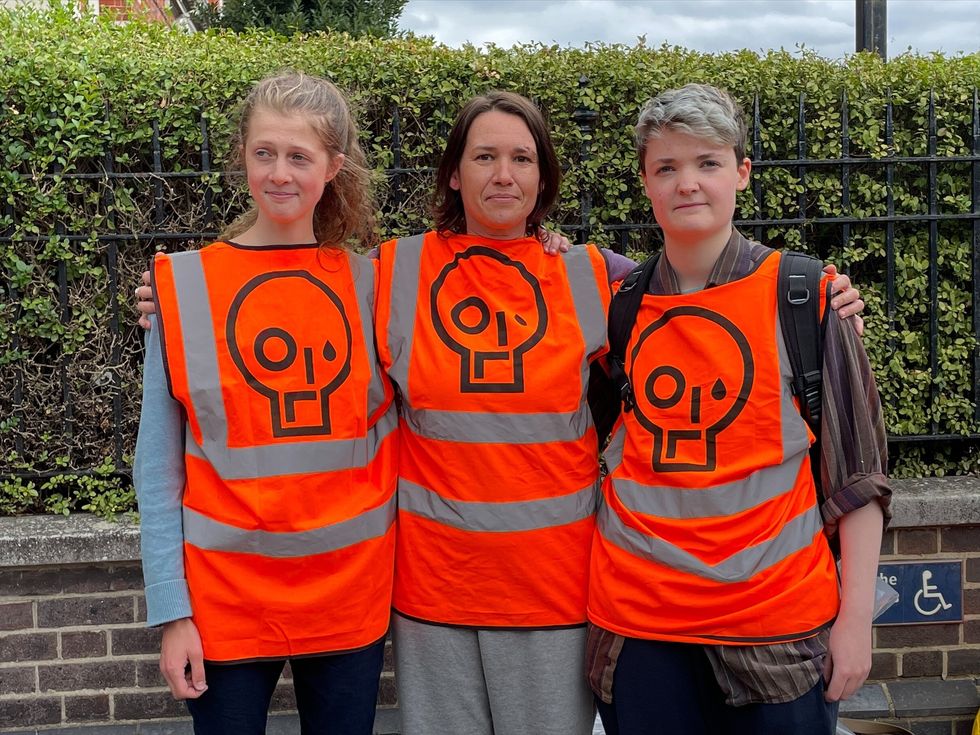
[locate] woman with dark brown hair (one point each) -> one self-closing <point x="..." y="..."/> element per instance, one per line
<point x="489" y="340"/>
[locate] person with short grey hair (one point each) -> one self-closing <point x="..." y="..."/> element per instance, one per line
<point x="696" y="109"/>
<point x="713" y="595"/>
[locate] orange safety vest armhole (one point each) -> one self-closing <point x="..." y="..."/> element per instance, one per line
<point x="382" y="303"/>
<point x="605" y="291"/>
<point x="161" y="269"/>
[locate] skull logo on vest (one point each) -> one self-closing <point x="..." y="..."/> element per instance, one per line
<point x="294" y="350"/>
<point x="490" y="311"/>
<point x="685" y="407"/>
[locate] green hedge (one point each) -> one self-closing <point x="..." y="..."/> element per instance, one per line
<point x="72" y="90"/>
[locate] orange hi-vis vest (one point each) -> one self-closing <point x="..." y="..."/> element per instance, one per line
<point x="709" y="529"/>
<point x="490" y="344"/>
<point x="289" y="501"/>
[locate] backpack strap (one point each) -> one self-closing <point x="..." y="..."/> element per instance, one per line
<point x="798" y="306"/>
<point x="622" y="317"/>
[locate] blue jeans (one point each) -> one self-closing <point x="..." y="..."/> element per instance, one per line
<point x="662" y="688"/>
<point x="335" y="694"/>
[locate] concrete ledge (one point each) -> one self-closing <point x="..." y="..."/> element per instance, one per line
<point x="27" y="541"/>
<point x="906" y="699"/>
<point x="81" y="538"/>
<point x="936" y="501"/>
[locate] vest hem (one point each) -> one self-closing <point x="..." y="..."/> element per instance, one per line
<point x="709" y="640"/>
<point x="291" y="656"/>
<point x="442" y="624"/>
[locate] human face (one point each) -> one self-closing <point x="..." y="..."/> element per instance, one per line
<point x="691" y="183"/>
<point x="498" y="176"/>
<point x="287" y="167"/>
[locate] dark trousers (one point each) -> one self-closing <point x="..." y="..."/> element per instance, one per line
<point x="662" y="688"/>
<point x="335" y="695"/>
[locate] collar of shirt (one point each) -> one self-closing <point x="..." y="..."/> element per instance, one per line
<point x="739" y="258"/>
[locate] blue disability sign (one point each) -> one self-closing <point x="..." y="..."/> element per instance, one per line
<point x="928" y="592"/>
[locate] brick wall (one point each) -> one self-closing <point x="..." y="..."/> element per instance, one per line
<point x="943" y="658"/>
<point x="940" y="649"/>
<point x="74" y="651"/>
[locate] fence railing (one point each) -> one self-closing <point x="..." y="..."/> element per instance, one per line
<point x="124" y="337"/>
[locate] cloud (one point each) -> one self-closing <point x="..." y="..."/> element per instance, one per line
<point x="825" y="26"/>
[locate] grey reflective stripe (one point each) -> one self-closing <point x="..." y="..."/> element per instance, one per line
<point x="207" y="533"/>
<point x="614" y="451"/>
<point x="404" y="306"/>
<point x="520" y="515"/>
<point x="585" y="295"/>
<point x="204" y="385"/>
<point x="273" y="460"/>
<point x="796" y="535"/>
<point x="498" y="428"/>
<point x="588" y="305"/>
<point x="200" y="353"/>
<point x="711" y="502"/>
<point x="363" y="272"/>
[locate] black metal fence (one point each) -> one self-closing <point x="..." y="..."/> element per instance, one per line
<point x="159" y="184"/>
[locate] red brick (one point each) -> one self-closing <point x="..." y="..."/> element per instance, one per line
<point x="387" y="692"/>
<point x="888" y="543"/>
<point x="973" y="569"/>
<point x="971" y="631"/>
<point x="146" y="705"/>
<point x="917" y="636"/>
<point x="71" y="579"/>
<point x="95" y="675"/>
<point x="140" y="609"/>
<point x="87" y="709"/>
<point x="963" y="662"/>
<point x="148" y="674"/>
<point x="884" y="666"/>
<point x="28" y="646"/>
<point x="68" y="611"/>
<point x="127" y="641"/>
<point x="389" y="661"/>
<point x="283" y="699"/>
<point x="922" y="663"/>
<point x="35" y="711"/>
<point x="19" y="680"/>
<point x="83" y="644"/>
<point x="17" y="616"/>
<point x="961" y="538"/>
<point x="971" y="602"/>
<point x="918" y="541"/>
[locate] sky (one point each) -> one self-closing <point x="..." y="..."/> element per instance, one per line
<point x="824" y="26"/>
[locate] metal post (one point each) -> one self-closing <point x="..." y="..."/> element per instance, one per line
<point x="585" y="119"/>
<point x="871" y="26"/>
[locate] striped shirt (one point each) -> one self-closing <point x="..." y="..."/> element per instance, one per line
<point x="852" y="472"/>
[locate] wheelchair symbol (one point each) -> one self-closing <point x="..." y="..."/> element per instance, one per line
<point x="929" y="592"/>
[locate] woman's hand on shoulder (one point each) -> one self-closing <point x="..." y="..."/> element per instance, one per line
<point x="553" y="242"/>
<point x="846" y="299"/>
<point x="144" y="301"/>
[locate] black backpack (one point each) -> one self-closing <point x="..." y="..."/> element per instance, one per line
<point x="799" y="317"/>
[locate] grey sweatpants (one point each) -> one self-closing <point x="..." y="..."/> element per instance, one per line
<point x="466" y="681"/>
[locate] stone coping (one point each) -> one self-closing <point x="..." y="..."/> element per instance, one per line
<point x="913" y="698"/>
<point x="83" y="539"/>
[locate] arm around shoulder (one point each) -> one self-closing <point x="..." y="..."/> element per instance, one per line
<point x="158" y="474"/>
